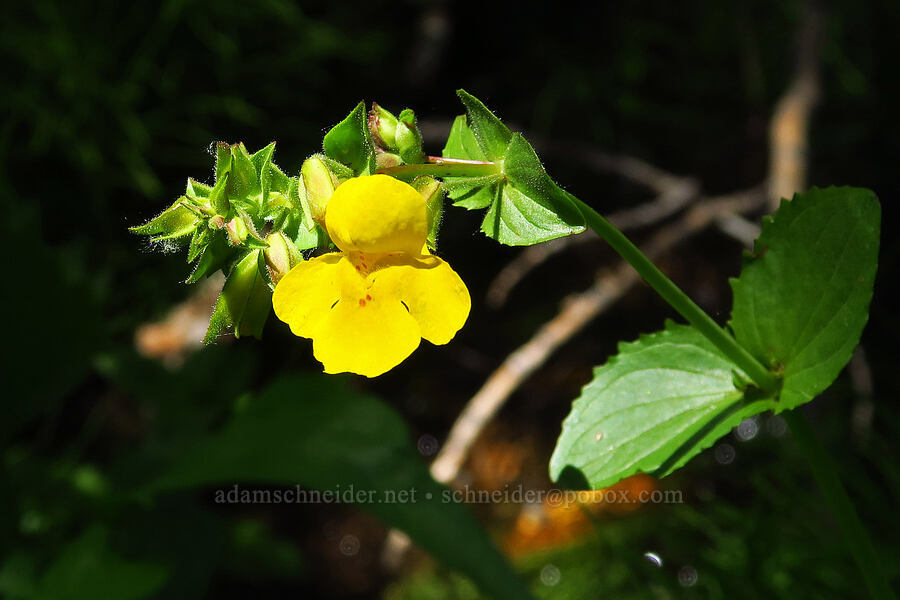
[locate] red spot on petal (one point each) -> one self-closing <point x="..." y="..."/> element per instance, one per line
<point x="368" y="297"/>
<point x="362" y="302"/>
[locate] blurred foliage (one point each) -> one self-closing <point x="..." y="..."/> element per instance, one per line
<point x="108" y="108"/>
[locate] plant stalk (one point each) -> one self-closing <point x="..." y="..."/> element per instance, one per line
<point x="671" y="293"/>
<point x="444" y="167"/>
<point x="680" y="301"/>
<point x="855" y="535"/>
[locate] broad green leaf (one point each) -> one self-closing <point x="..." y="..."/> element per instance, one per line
<point x="315" y="432"/>
<point x="461" y="142"/>
<point x="174" y="222"/>
<point x="653" y="406"/>
<point x="349" y="142"/>
<point x="524" y="205"/>
<point x="87" y="569"/>
<point x="802" y="299"/>
<point x="490" y="132"/>
<point x="525" y="172"/>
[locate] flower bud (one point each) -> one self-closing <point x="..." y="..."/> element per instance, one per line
<point x="409" y="140"/>
<point x="245" y="299"/>
<point x="382" y="126"/>
<point x="237" y="231"/>
<point x="384" y="160"/>
<point x="281" y="255"/>
<point x="320" y="183"/>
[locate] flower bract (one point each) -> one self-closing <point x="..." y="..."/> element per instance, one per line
<point x="367" y="307"/>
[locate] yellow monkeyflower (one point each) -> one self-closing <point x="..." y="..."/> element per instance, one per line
<point x="367" y="307"/>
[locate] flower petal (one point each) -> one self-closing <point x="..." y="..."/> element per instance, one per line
<point x="305" y="295"/>
<point x="436" y="296"/>
<point x="377" y="214"/>
<point x="367" y="337"/>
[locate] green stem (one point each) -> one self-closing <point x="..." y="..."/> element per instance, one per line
<point x="672" y="294"/>
<point x="829" y="482"/>
<point x="444" y="167"/>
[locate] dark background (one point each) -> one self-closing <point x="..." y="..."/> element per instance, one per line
<point x="108" y="107"/>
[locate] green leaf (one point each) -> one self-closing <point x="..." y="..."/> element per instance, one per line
<point x="461" y="142"/>
<point x="653" y="406"/>
<point x="491" y="134"/>
<point x="174" y="222"/>
<point x="314" y="431"/>
<point x="349" y="142"/>
<point x="87" y="569"/>
<point x="525" y="205"/>
<point x="524" y="170"/>
<point x="472" y="193"/>
<point x="802" y="299"/>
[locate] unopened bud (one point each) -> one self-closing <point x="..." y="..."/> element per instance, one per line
<point x="320" y="183"/>
<point x="408" y="138"/>
<point x="237" y="231"/>
<point x="246" y="296"/>
<point x="281" y="256"/>
<point x="383" y="126"/>
<point x="384" y="160"/>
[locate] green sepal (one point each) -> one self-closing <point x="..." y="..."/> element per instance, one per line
<point x="245" y="301"/>
<point x="490" y="133"/>
<point x="349" y="142"/>
<point x="431" y="190"/>
<point x="281" y="254"/>
<point x="299" y="203"/>
<point x="278" y="181"/>
<point x="243" y="181"/>
<point x="409" y="138"/>
<point x="195" y="189"/>
<point x="223" y="160"/>
<point x="199" y="241"/>
<point x="174" y="222"/>
<point x="341" y="171"/>
<point x="262" y="163"/>
<point x="382" y="127"/>
<point x="213" y="257"/>
<point x="218" y="196"/>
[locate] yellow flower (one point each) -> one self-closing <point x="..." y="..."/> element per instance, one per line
<point x="367" y="307"/>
